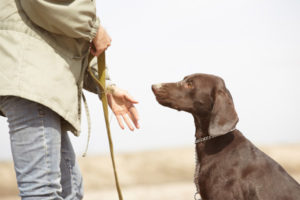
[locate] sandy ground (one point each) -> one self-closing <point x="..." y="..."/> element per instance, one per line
<point x="174" y="191"/>
<point x="161" y="174"/>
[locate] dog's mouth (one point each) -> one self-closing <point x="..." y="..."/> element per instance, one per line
<point x="163" y="97"/>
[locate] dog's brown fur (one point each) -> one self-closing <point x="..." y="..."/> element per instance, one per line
<point x="231" y="167"/>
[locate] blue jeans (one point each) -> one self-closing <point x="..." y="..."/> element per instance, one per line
<point x="44" y="158"/>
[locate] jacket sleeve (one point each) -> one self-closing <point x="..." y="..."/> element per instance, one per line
<point x="72" y="18"/>
<point x="90" y="84"/>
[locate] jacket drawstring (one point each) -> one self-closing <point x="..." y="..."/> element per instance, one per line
<point x="88" y="117"/>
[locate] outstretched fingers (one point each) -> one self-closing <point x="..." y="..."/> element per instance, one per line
<point x="120" y="121"/>
<point x="133" y="114"/>
<point x="127" y="121"/>
<point x="121" y="118"/>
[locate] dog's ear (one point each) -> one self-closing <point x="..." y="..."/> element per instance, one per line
<point x="223" y="116"/>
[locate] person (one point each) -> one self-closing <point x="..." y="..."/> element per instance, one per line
<point x="44" y="50"/>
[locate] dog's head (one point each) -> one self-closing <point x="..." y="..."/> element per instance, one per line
<point x="203" y="95"/>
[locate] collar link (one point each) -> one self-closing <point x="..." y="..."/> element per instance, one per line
<point x="204" y="139"/>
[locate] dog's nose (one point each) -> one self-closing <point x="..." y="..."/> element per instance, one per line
<point x="153" y="87"/>
<point x="156" y="87"/>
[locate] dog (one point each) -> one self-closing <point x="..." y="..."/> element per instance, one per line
<point x="231" y="167"/>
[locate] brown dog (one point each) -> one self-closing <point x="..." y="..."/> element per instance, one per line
<point x="231" y="167"/>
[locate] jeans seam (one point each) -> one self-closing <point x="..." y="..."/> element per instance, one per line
<point x="72" y="177"/>
<point x="74" y="183"/>
<point x="45" y="146"/>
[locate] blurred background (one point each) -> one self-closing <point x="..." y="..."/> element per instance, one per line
<point x="253" y="45"/>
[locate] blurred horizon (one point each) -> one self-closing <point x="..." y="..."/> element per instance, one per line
<point x="253" y="45"/>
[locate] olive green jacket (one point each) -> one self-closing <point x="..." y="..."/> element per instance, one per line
<point x="44" y="45"/>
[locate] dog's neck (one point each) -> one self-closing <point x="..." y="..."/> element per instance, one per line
<point x="203" y="139"/>
<point x="201" y="125"/>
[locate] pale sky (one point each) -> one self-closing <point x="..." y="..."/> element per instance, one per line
<point x="253" y="45"/>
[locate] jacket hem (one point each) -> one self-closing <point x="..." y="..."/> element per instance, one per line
<point x="72" y="125"/>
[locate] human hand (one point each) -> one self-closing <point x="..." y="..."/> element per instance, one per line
<point x="101" y="42"/>
<point x="122" y="105"/>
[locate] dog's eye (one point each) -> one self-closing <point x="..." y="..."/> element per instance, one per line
<point x="189" y="83"/>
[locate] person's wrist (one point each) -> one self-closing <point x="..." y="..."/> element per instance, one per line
<point x="111" y="88"/>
